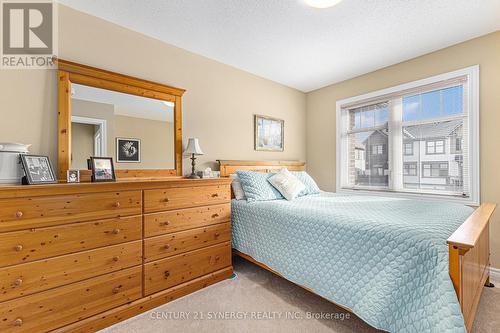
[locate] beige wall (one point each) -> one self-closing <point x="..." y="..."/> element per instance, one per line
<point x="157" y="142"/>
<point x="484" y="51"/>
<point x="82" y="141"/>
<point x="218" y="105"/>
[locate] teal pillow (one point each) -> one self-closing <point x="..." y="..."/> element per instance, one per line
<point x="256" y="186"/>
<point x="311" y="186"/>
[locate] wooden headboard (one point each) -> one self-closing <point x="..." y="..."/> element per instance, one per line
<point x="228" y="167"/>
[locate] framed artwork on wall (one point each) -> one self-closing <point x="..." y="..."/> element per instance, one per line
<point x="269" y="133"/>
<point x="128" y="150"/>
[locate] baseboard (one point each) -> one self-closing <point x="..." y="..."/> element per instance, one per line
<point x="495" y="275"/>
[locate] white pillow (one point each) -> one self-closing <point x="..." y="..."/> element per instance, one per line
<point x="239" y="194"/>
<point x="288" y="185"/>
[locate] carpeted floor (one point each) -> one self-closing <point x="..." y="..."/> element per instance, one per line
<point x="258" y="301"/>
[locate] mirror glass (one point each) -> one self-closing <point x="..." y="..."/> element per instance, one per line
<point x="137" y="132"/>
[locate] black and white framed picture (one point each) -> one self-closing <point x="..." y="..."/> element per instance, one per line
<point x="37" y="169"/>
<point x="128" y="150"/>
<point x="73" y="176"/>
<point x="269" y="133"/>
<point x="103" y="169"/>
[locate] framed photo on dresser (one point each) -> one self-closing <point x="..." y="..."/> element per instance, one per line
<point x="73" y="176"/>
<point x="37" y="169"/>
<point x="103" y="169"/>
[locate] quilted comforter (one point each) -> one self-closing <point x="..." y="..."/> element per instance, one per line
<point x="386" y="259"/>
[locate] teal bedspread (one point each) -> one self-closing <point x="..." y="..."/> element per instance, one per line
<point x="384" y="258"/>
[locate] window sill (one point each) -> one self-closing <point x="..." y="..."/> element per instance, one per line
<point x="410" y="195"/>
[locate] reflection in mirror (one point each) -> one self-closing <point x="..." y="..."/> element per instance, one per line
<point x="138" y="132"/>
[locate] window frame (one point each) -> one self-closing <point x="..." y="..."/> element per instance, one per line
<point x="472" y="86"/>
<point x="411" y="144"/>
<point x="435" y="141"/>
<point x="439" y="163"/>
<point x="377" y="151"/>
<point x="458" y="142"/>
<point x="406" y="165"/>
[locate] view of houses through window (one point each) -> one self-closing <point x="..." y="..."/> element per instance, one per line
<point x="409" y="143"/>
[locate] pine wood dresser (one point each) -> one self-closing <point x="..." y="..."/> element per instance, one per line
<point x="80" y="257"/>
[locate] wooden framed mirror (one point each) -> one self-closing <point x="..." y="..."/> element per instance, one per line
<point x="136" y="122"/>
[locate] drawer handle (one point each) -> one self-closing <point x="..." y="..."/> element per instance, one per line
<point x="19" y="214"/>
<point x="116" y="258"/>
<point x="116" y="290"/>
<point x="216" y="235"/>
<point x="215" y="215"/>
<point x="165" y="200"/>
<point x="117" y="205"/>
<point x="166" y="274"/>
<point x="116" y="231"/>
<point x="18" y="248"/>
<point x="215" y="195"/>
<point x="18" y="282"/>
<point x="165" y="223"/>
<point x="18" y="322"/>
<point x="217" y="258"/>
<point x="166" y="247"/>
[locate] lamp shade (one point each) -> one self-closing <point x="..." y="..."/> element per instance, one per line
<point x="193" y="147"/>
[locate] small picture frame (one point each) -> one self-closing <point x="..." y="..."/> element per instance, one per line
<point x="73" y="176"/>
<point x="37" y="169"/>
<point x="128" y="150"/>
<point x="103" y="169"/>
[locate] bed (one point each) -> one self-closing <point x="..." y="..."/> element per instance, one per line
<point x="399" y="264"/>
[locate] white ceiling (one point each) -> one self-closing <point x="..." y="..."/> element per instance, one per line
<point x="299" y="46"/>
<point x="125" y="104"/>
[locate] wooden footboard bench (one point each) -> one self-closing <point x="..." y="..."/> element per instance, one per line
<point x="469" y="251"/>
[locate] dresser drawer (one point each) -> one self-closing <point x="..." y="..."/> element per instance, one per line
<point x="54" y="308"/>
<point x="166" y="273"/>
<point x="35" y="244"/>
<point x="183" y="219"/>
<point x="183" y="241"/>
<point x="24" y="213"/>
<point x="33" y="277"/>
<point x="184" y="197"/>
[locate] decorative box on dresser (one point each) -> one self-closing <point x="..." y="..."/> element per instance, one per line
<point x="80" y="257"/>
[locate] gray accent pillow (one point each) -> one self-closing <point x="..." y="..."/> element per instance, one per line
<point x="256" y="186"/>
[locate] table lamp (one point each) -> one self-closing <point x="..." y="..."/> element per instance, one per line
<point x="193" y="148"/>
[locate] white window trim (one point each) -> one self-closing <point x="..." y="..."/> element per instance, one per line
<point x="473" y="122"/>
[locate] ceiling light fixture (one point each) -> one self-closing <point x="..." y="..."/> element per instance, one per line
<point x="322" y="3"/>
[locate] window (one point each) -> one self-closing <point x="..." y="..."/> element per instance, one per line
<point x="408" y="148"/>
<point x="410" y="169"/>
<point x="458" y="144"/>
<point x="369" y="134"/>
<point x="435" y="169"/>
<point x="434" y="147"/>
<point x="377" y="149"/>
<point x="420" y="138"/>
